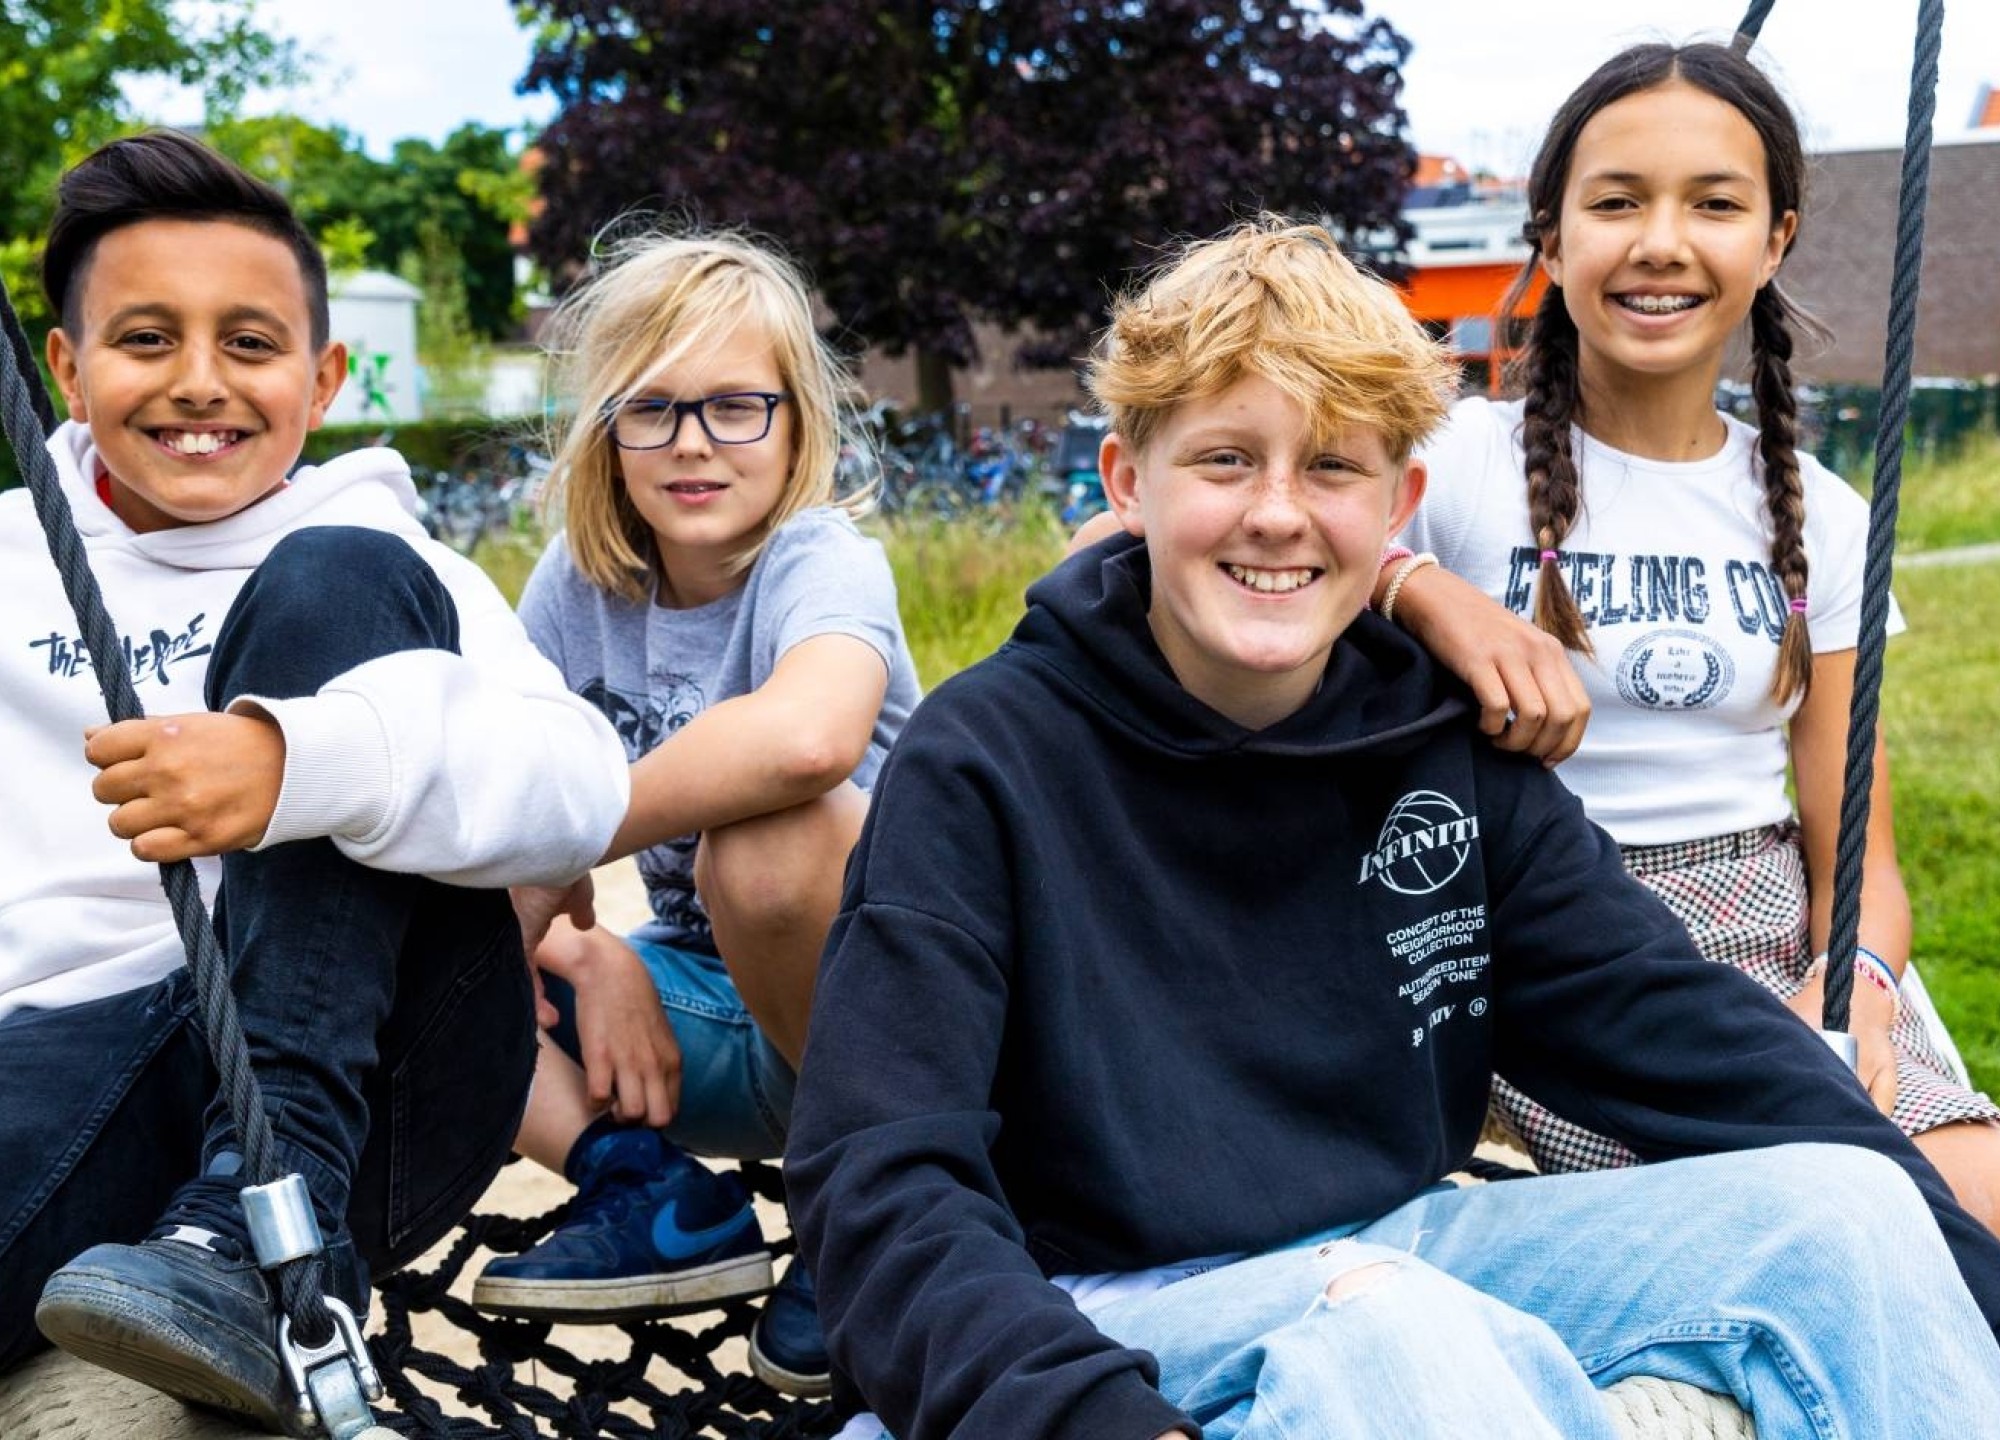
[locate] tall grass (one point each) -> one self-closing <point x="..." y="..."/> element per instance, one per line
<point x="959" y="584"/>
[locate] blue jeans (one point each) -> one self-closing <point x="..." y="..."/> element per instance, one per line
<point x="389" y="1017"/>
<point x="736" y="1089"/>
<point x="1810" y="1282"/>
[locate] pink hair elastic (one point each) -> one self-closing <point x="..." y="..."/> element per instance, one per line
<point x="1799" y="605"/>
<point x="1549" y="556"/>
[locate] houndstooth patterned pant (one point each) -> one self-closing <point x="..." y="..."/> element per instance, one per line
<point x="1743" y="898"/>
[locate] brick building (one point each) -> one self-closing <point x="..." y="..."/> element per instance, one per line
<point x="1841" y="268"/>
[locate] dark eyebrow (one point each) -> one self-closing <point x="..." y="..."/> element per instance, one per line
<point x="659" y="392"/>
<point x="235" y="315"/>
<point x="1633" y="177"/>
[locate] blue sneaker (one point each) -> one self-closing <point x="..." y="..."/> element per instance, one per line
<point x="187" y="1310"/>
<point x="650" y="1233"/>
<point x="787" y="1346"/>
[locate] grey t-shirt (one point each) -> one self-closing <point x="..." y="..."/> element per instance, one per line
<point x="651" y="669"/>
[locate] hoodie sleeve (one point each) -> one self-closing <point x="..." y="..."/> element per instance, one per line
<point x="1599" y="988"/>
<point x="478" y="768"/>
<point x="932" y="1305"/>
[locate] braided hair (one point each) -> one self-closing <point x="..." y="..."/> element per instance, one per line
<point x="1551" y="383"/>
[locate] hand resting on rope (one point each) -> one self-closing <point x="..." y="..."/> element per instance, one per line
<point x="188" y="785"/>
<point x="1871" y="1013"/>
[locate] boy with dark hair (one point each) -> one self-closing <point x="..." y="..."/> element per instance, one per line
<point x="348" y="732"/>
<point x="1181" y="943"/>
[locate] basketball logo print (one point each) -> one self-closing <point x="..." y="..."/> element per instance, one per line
<point x="1424" y="843"/>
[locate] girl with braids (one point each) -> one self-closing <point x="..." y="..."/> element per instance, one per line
<point x="1704" y="576"/>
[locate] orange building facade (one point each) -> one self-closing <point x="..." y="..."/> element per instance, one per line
<point x="1466" y="253"/>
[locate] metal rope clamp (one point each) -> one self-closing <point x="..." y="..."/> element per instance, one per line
<point x="332" y="1382"/>
<point x="1845" y="1046"/>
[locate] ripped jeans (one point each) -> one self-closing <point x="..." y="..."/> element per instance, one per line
<point x="1807" y="1281"/>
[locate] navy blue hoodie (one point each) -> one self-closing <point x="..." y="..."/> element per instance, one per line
<point x="1118" y="983"/>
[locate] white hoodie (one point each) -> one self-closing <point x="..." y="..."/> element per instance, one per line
<point x="478" y="769"/>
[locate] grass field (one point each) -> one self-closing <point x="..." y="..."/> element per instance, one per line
<point x="1941" y="713"/>
<point x="961" y="585"/>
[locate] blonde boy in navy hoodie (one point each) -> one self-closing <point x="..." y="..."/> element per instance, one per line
<point x="1183" y="938"/>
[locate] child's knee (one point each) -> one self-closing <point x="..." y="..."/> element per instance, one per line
<point x="1360" y="1280"/>
<point x="331" y="560"/>
<point x="325" y="599"/>
<point x="775" y="870"/>
<point x="1354" y="1267"/>
<point x="1837" y="1203"/>
<point x="1967" y="1154"/>
<point x="1838" y="1176"/>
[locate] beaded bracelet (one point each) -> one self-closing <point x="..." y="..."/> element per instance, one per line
<point x="1403" y="572"/>
<point x="1390" y="555"/>
<point x="1877" y="971"/>
<point x="1881" y="972"/>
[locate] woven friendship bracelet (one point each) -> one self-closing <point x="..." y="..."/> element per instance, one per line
<point x="1403" y="572"/>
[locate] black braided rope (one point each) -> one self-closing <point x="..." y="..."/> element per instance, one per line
<point x="588" y="1399"/>
<point x="1873" y="642"/>
<point x="27" y="424"/>
<point x="1753" y="20"/>
<point x="24" y="362"/>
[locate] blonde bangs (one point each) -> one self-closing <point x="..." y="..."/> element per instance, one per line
<point x="1273" y="298"/>
<point x="656" y="299"/>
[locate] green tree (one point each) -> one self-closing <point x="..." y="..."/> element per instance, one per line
<point x="64" y="63"/>
<point x="470" y="191"/>
<point x="453" y="356"/>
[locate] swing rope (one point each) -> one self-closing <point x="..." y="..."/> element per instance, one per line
<point x="28" y="418"/>
<point x="1898" y="363"/>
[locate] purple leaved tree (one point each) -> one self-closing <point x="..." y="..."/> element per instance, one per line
<point x="935" y="165"/>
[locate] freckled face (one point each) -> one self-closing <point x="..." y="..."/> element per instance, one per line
<point x="1665" y="236"/>
<point x="1264" y="541"/>
<point x="193" y="367"/>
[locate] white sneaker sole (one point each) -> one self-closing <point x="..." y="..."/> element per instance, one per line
<point x="637" y="1297"/>
<point x="788" y="1382"/>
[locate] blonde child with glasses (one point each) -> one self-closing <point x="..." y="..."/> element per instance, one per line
<point x="712" y="596"/>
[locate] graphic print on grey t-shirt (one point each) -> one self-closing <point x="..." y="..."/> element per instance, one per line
<point x="642" y="722"/>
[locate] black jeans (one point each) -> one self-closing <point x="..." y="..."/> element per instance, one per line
<point x="389" y="1017"/>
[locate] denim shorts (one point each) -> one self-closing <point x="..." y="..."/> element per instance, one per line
<point x="736" y="1088"/>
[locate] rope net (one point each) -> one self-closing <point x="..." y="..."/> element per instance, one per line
<point x="669" y="1382"/>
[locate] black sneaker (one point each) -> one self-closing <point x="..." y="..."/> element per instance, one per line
<point x="787" y="1346"/>
<point x="187" y="1310"/>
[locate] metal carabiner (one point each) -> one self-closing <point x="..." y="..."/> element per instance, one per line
<point x="315" y="1393"/>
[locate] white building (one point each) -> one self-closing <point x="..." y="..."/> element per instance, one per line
<point x="375" y="315"/>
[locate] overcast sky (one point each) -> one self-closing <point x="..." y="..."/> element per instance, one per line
<point x="1482" y="78"/>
